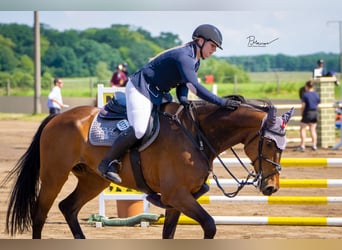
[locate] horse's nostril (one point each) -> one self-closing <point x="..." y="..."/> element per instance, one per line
<point x="269" y="190"/>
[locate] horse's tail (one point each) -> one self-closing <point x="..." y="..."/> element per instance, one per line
<point x="24" y="193"/>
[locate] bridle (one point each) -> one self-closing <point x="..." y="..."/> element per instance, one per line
<point x="261" y="157"/>
<point x="257" y="178"/>
<point x="202" y="140"/>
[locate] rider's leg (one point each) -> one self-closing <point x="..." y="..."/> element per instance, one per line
<point x="110" y="165"/>
<point x="138" y="113"/>
<point x="139" y="109"/>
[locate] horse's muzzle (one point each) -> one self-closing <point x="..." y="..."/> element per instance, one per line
<point x="269" y="190"/>
<point x="270" y="185"/>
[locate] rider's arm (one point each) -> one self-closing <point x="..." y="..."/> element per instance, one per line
<point x="189" y="76"/>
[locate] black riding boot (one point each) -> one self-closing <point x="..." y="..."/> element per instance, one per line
<point x="110" y="165"/>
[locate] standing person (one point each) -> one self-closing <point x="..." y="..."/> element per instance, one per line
<point x="310" y="101"/>
<point x="319" y="70"/>
<point x="126" y="72"/>
<point x="55" y="101"/>
<point x="173" y="68"/>
<point x="118" y="78"/>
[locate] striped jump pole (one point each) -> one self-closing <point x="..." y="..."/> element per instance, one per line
<point x="290" y="183"/>
<point x="289" y="162"/>
<point x="262" y="220"/>
<point x="273" y="200"/>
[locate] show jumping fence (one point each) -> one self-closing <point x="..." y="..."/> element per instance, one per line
<point x="289" y="162"/>
<point x="290" y="183"/>
<point x="263" y="220"/>
<point x="115" y="192"/>
<point x="268" y="200"/>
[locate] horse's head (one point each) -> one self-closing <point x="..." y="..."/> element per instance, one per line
<point x="270" y="141"/>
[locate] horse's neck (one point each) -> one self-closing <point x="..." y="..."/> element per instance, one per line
<point x="225" y="129"/>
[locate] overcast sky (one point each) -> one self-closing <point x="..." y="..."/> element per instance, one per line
<point x="292" y="32"/>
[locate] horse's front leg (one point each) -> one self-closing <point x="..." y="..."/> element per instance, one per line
<point x="187" y="204"/>
<point x="195" y="211"/>
<point x="170" y="223"/>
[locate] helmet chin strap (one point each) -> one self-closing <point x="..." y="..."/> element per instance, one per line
<point x="201" y="48"/>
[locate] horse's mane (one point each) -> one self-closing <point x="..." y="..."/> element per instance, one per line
<point x="257" y="104"/>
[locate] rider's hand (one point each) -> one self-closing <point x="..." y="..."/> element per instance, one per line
<point x="231" y="104"/>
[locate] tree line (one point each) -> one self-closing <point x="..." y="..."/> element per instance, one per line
<point x="95" y="52"/>
<point x="73" y="53"/>
<point x="281" y="62"/>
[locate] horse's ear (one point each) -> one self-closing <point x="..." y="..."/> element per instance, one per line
<point x="271" y="117"/>
<point x="287" y="116"/>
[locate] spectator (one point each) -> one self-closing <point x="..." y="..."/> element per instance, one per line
<point x="55" y="101"/>
<point x="319" y="70"/>
<point x="310" y="101"/>
<point x="339" y="125"/>
<point x="125" y="70"/>
<point x="119" y="78"/>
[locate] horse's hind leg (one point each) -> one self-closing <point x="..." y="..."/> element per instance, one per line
<point x="88" y="187"/>
<point x="170" y="223"/>
<point x="49" y="189"/>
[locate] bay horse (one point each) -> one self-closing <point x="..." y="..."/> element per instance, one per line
<point x="172" y="165"/>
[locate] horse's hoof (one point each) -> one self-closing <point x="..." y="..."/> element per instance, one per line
<point x="155" y="200"/>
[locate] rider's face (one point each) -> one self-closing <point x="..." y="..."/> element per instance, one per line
<point x="208" y="49"/>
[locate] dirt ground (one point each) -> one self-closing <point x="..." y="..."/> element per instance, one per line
<point x="15" y="137"/>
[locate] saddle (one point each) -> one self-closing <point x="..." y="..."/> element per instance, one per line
<point x="112" y="119"/>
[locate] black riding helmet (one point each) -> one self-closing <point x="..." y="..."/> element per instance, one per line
<point x="209" y="33"/>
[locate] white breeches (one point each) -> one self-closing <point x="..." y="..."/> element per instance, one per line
<point x="138" y="110"/>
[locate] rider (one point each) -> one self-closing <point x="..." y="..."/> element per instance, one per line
<point x="173" y="68"/>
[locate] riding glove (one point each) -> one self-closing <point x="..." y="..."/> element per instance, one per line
<point x="231" y="104"/>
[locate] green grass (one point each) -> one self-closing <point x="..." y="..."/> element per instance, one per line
<point x="73" y="87"/>
<point x="270" y="85"/>
<point x="273" y="77"/>
<point x="261" y="90"/>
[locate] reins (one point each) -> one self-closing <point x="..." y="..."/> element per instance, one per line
<point x="202" y="139"/>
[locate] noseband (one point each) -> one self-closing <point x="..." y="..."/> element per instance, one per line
<point x="259" y="176"/>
